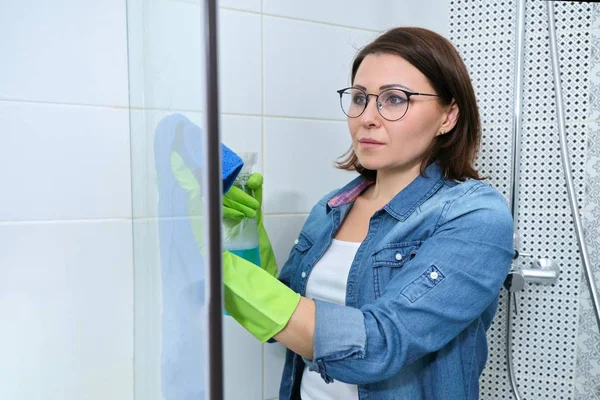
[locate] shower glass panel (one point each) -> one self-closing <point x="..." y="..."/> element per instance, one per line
<point x="167" y="92"/>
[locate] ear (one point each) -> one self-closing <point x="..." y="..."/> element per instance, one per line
<point x="449" y="118"/>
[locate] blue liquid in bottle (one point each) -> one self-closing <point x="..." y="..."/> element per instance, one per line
<point x="252" y="254"/>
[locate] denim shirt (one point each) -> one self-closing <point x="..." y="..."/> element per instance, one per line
<point x="422" y="290"/>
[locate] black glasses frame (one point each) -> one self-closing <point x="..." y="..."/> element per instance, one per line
<point x="378" y="104"/>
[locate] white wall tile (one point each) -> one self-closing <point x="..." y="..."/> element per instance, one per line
<point x="274" y="361"/>
<point x="242" y="362"/>
<point x="64" y="162"/>
<point x="248" y="5"/>
<point x="144" y="188"/>
<point x="64" y="51"/>
<point x="66" y="303"/>
<point x="429" y="14"/>
<point x="299" y="157"/>
<point x="378" y="16"/>
<point x="148" y="312"/>
<point x="354" y="13"/>
<point x="240" y="74"/>
<point x="166" y="55"/>
<point x="282" y="231"/>
<point x="243" y="134"/>
<point x="304" y="65"/>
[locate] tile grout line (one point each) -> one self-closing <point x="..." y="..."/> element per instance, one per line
<point x="292" y="117"/>
<point x="124" y="108"/>
<point x="63" y="221"/>
<point x="263" y="14"/>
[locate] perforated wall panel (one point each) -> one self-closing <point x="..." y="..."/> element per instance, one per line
<point x="547" y="354"/>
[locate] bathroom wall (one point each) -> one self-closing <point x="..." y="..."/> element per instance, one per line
<point x="82" y="87"/>
<point x="66" y="275"/>
<point x="555" y="345"/>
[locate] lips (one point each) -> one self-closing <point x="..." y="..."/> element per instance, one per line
<point x="368" y="141"/>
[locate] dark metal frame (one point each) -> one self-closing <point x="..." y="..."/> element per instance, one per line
<point x="212" y="176"/>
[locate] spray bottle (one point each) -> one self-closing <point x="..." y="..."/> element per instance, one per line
<point x="241" y="238"/>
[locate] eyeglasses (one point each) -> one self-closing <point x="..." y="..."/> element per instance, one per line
<point x="392" y="104"/>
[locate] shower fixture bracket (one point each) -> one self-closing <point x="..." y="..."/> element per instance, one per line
<point x="543" y="271"/>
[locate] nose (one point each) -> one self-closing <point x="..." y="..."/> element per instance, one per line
<point x="371" y="114"/>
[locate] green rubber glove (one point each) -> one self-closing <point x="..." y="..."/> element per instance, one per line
<point x="255" y="299"/>
<point x="238" y="204"/>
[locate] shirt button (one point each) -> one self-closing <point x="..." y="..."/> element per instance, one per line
<point x="303" y="274"/>
<point x="398" y="256"/>
<point x="296" y="241"/>
<point x="433" y="275"/>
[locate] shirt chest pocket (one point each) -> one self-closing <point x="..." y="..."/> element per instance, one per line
<point x="388" y="262"/>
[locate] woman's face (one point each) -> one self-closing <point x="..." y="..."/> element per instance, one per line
<point x="400" y="145"/>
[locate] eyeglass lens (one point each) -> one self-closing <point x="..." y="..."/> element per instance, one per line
<point x="391" y="103"/>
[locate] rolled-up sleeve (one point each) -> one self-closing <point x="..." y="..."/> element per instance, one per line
<point x="462" y="267"/>
<point x="334" y="343"/>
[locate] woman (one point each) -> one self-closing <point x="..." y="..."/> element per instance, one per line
<point x="395" y="278"/>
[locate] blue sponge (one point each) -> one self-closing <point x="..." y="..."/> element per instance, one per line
<point x="231" y="165"/>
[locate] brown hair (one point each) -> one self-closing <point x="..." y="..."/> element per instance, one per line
<point x="441" y="64"/>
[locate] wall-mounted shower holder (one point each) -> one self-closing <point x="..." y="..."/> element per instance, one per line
<point x="543" y="271"/>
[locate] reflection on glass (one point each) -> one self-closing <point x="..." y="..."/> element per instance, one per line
<point x="178" y="162"/>
<point x="167" y="124"/>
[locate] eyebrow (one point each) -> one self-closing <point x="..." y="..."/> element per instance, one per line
<point x="389" y="86"/>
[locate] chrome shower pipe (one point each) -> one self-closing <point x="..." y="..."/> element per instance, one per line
<point x="514" y="181"/>
<point x="560" y="113"/>
<point x="518" y="106"/>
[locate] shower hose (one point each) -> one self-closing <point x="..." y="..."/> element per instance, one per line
<point x="566" y="168"/>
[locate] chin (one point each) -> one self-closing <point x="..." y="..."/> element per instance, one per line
<point x="370" y="163"/>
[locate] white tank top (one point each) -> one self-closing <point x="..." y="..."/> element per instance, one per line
<point x="327" y="281"/>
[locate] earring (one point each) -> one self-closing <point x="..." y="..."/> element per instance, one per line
<point x="441" y="132"/>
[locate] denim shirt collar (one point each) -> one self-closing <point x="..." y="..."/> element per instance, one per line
<point x="404" y="203"/>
